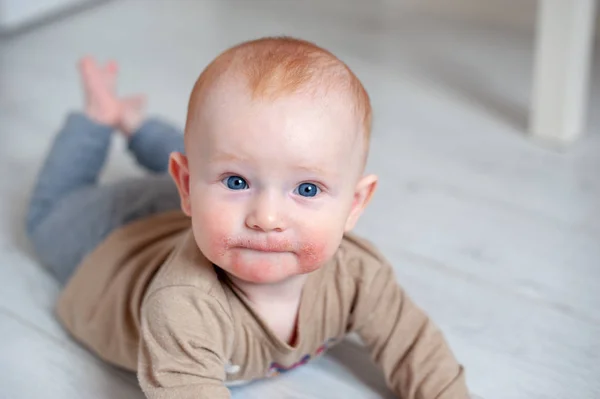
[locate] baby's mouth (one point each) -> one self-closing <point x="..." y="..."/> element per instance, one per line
<point x="265" y="247"/>
<point x="262" y="244"/>
<point x="262" y="249"/>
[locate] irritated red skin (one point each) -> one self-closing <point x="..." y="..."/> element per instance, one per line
<point x="267" y="261"/>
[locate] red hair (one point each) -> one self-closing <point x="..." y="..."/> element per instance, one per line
<point x="277" y="66"/>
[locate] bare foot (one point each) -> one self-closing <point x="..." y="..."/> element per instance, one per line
<point x="132" y="114"/>
<point x="99" y="85"/>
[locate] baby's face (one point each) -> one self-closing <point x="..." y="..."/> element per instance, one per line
<point x="272" y="184"/>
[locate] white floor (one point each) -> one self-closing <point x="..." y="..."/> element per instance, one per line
<point x="497" y="237"/>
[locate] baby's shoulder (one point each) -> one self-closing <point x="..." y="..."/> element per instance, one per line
<point x="186" y="275"/>
<point x="359" y="258"/>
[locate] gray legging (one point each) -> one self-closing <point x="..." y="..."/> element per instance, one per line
<point x="70" y="213"/>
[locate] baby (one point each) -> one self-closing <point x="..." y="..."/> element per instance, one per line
<point x="240" y="265"/>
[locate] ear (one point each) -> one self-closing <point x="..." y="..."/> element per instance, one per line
<point x="362" y="196"/>
<point x="179" y="171"/>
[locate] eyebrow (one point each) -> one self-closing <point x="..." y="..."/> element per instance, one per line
<point x="313" y="170"/>
<point x="228" y="157"/>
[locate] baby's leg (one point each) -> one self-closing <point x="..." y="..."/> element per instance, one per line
<point x="68" y="175"/>
<point x="153" y="142"/>
<point x="74" y="163"/>
<point x="81" y="147"/>
<point x="69" y="214"/>
<point x="83" y="219"/>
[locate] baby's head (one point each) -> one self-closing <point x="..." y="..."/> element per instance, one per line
<point x="276" y="140"/>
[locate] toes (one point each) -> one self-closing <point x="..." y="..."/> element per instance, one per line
<point x="86" y="62"/>
<point x="136" y="101"/>
<point x="110" y="74"/>
<point x="111" y="67"/>
<point x="89" y="71"/>
<point x="87" y="66"/>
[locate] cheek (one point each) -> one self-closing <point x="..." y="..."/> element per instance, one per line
<point x="214" y="225"/>
<point x="320" y="239"/>
<point x="317" y="248"/>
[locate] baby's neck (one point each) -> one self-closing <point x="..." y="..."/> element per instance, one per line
<point x="287" y="292"/>
<point x="277" y="304"/>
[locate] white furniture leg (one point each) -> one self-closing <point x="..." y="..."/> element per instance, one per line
<point x="565" y="31"/>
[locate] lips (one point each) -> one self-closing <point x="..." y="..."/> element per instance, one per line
<point x="268" y="246"/>
<point x="264" y="248"/>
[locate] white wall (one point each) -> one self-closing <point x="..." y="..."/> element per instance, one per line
<point x="514" y="13"/>
<point x="15" y="13"/>
<point x="517" y="14"/>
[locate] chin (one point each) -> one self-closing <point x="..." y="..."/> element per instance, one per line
<point x="261" y="279"/>
<point x="264" y="268"/>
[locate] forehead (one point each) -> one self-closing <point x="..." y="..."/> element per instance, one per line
<point x="296" y="128"/>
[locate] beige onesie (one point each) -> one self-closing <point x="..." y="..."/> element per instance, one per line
<point x="147" y="300"/>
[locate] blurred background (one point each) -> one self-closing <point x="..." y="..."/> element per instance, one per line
<point x="486" y="139"/>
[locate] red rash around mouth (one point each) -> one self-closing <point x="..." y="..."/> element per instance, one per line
<point x="288" y="259"/>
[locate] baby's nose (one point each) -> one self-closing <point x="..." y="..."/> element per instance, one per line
<point x="266" y="215"/>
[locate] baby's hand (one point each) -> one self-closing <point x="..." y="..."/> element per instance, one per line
<point x="99" y="85"/>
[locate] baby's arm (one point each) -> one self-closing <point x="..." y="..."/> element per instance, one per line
<point x="182" y="351"/>
<point x="404" y="342"/>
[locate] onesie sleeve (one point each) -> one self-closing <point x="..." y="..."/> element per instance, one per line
<point x="184" y="339"/>
<point x="415" y="358"/>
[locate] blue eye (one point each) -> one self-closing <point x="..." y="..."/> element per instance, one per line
<point x="235" y="183"/>
<point x="307" y="190"/>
